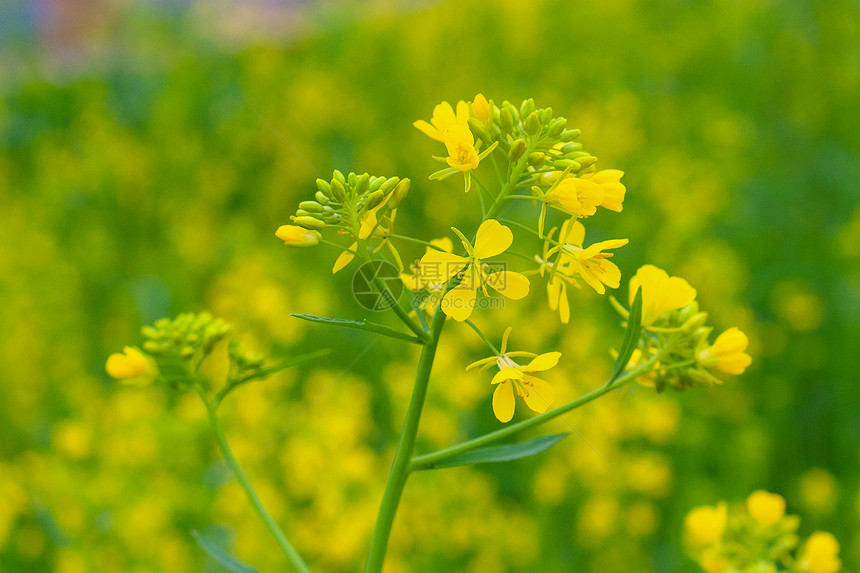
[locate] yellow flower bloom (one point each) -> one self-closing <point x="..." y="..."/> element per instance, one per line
<point x="369" y="225"/>
<point x="591" y="263"/>
<point x="444" y="119"/>
<point x="462" y="154"/>
<point x="295" y="236"/>
<point x="765" y="507"/>
<point x="492" y="239"/>
<point x="577" y="196"/>
<point x="609" y="181"/>
<point x="705" y="525"/>
<point x="511" y="377"/>
<point x="820" y="554"/>
<point x="481" y="109"/>
<point x="131" y="367"/>
<point x="727" y="354"/>
<point x="660" y="292"/>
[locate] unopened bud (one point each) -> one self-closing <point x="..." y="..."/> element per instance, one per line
<point x="569" y="134"/>
<point x="338" y="191"/>
<point x="389" y="184"/>
<point x="322" y="197"/>
<point x="536" y="159"/>
<point x="307" y="222"/>
<point x="352" y="179"/>
<point x="545" y="115"/>
<point x="588" y="161"/>
<point x="515" y="113"/>
<point x="571" y="147"/>
<point x="694" y="322"/>
<point x="336" y="174"/>
<point x="400" y="193"/>
<point x="532" y="123"/>
<point x="527" y="107"/>
<point x="374" y="199"/>
<point x="311" y="206"/>
<point x="323" y="186"/>
<point x="563" y="164"/>
<point x="362" y="182"/>
<point x="556" y="127"/>
<point x="376" y="183"/>
<point x="479" y="129"/>
<point x="506" y="120"/>
<point x="518" y="147"/>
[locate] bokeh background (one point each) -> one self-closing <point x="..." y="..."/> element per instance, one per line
<point x="148" y="150"/>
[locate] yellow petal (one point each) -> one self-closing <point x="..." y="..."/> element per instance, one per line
<point x="438" y="267"/>
<point x="563" y="305"/>
<point x="429" y="130"/>
<point x="344" y="259"/>
<point x="462" y="112"/>
<point x="509" y="283"/>
<point x="507" y="374"/>
<point x="459" y="302"/>
<point x="539" y="394"/>
<point x="492" y="239"/>
<point x="443" y="243"/>
<point x="443" y="117"/>
<point x="503" y="402"/>
<point x="542" y="362"/>
<point x="481" y="362"/>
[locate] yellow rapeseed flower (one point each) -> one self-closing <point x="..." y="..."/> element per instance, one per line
<point x="727" y="353"/>
<point x="765" y="507"/>
<point x="444" y="119"/>
<point x="295" y="236"/>
<point x="460" y="143"/>
<point x="660" y="292"/>
<point x="511" y="377"/>
<point x="705" y="525"/>
<point x="481" y="109"/>
<point x="492" y="239"/>
<point x="591" y="263"/>
<point x="820" y="554"/>
<point x="131" y="367"/>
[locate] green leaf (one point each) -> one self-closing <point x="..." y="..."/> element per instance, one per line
<point x="361" y="325"/>
<point x="221" y="556"/>
<point x="505" y="453"/>
<point x="631" y="337"/>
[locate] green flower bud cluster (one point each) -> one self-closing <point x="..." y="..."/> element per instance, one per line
<point x="179" y="346"/>
<point x="243" y="361"/>
<point x="522" y="127"/>
<point x="342" y="201"/>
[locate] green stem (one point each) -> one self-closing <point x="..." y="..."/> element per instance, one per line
<point x="427" y="461"/>
<point x="398" y="309"/>
<point x="400" y="468"/>
<point x="509" y="187"/>
<point x="281" y="539"/>
<point x="484" y="338"/>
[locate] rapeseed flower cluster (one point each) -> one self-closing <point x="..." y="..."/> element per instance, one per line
<point x="757" y="536"/>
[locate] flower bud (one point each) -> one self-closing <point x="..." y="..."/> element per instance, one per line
<point x="322" y="198"/>
<point x="311" y="206"/>
<point x="545" y="115"/>
<point x="400" y="193"/>
<point x="515" y="113"/>
<point x="479" y="129"/>
<point x="536" y="159"/>
<point x="694" y="322"/>
<point x="556" y="127"/>
<point x="362" y="183"/>
<point x="527" y="107"/>
<point x="570" y="134"/>
<point x="571" y="147"/>
<point x="518" y="147"/>
<point x="131" y="366"/>
<point x="532" y="124"/>
<point x="352" y="179"/>
<point x="337" y="175"/>
<point x="323" y="187"/>
<point x="376" y="183"/>
<point x="295" y="236"/>
<point x="389" y="184"/>
<point x="565" y="163"/>
<point x="586" y="162"/>
<point x="338" y="191"/>
<point x="374" y="200"/>
<point x="506" y="120"/>
<point x="310" y="223"/>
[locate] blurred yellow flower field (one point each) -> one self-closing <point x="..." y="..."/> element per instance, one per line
<point x="149" y="152"/>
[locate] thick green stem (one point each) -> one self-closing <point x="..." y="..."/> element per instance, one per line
<point x="281" y="539"/>
<point x="400" y="468"/>
<point x="429" y="460"/>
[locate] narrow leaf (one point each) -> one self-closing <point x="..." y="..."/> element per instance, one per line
<point x="505" y="453"/>
<point x="221" y="556"/>
<point x="360" y="325"/>
<point x="631" y="337"/>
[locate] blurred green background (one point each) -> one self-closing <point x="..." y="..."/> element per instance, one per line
<point x="148" y="151"/>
